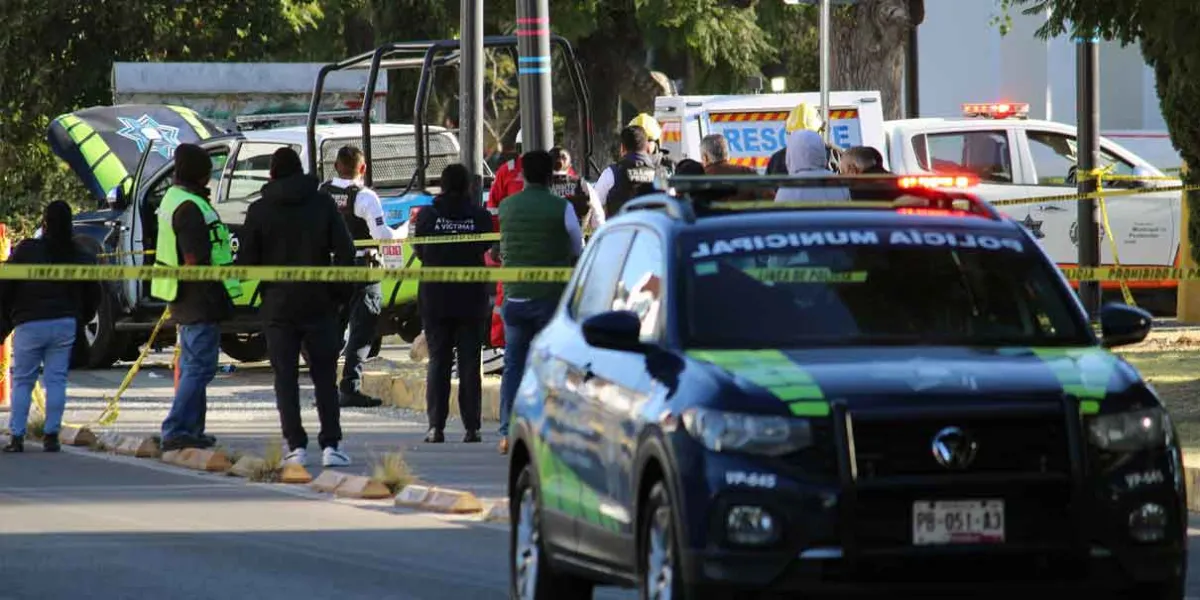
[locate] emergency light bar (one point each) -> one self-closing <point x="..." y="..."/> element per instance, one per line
<point x="938" y="181"/>
<point x="1001" y="110"/>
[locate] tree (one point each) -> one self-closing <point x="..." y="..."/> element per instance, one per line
<point x="869" y="39"/>
<point x="1166" y="31"/>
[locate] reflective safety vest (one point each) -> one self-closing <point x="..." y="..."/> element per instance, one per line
<point x="166" y="253"/>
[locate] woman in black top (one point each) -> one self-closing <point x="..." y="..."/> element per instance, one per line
<point x="43" y="317"/>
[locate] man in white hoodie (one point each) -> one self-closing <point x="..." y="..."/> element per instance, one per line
<point x="806" y="158"/>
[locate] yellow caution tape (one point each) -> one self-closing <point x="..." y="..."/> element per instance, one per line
<point x="461" y="238"/>
<point x="1131" y="274"/>
<point x="285" y="274"/>
<point x="1104" y="194"/>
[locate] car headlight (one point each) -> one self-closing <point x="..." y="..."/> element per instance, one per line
<point x="1130" y="431"/>
<point x="770" y="435"/>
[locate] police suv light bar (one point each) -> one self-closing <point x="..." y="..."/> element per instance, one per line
<point x="999" y="110"/>
<point x="938" y="181"/>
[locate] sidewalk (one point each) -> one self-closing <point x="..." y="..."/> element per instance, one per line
<point x="242" y="415"/>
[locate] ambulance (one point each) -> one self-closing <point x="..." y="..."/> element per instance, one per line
<point x="754" y="124"/>
<point x="1011" y="157"/>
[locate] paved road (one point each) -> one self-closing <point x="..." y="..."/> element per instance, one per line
<point x="76" y="526"/>
<point x="87" y="526"/>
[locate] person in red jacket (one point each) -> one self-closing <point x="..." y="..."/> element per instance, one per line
<point x="507" y="183"/>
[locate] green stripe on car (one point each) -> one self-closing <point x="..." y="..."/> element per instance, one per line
<point x="773" y="370"/>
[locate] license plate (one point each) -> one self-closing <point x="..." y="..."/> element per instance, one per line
<point x="937" y="522"/>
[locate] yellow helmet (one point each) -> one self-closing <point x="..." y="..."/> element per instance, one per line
<point x="647" y="122"/>
<point x="803" y="116"/>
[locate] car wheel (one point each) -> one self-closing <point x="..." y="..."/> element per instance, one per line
<point x="658" y="548"/>
<point x="98" y="345"/>
<point x="1167" y="590"/>
<point x="531" y="576"/>
<point x="244" y="347"/>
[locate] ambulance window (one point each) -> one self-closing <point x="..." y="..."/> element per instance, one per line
<point x="251" y="171"/>
<point x="981" y="153"/>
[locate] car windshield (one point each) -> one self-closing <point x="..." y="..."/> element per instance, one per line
<point x="784" y="287"/>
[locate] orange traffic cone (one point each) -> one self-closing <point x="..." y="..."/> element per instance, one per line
<point x="6" y="344"/>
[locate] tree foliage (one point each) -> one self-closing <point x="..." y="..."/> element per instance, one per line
<point x="1166" y="32"/>
<point x="57" y="56"/>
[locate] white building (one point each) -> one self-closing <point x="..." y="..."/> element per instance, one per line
<point x="964" y="58"/>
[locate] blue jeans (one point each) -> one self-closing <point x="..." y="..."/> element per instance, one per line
<point x="41" y="346"/>
<point x="199" y="350"/>
<point x="522" y="322"/>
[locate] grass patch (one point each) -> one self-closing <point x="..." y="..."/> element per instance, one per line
<point x="1172" y="370"/>
<point x="36" y="427"/>
<point x="392" y="470"/>
<point x="269" y="469"/>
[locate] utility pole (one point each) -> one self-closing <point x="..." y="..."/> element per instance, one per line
<point x="470" y="95"/>
<point x="1087" y="68"/>
<point x="912" y="80"/>
<point x="533" y="74"/>
<point x="825" y="29"/>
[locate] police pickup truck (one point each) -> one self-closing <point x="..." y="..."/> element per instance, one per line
<point x="895" y="395"/>
<point x="122" y="154"/>
<point x="1015" y="157"/>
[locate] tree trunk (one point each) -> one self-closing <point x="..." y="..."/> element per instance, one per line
<point x="867" y="53"/>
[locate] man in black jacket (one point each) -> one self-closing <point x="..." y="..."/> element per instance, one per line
<point x="294" y="224"/>
<point x="453" y="314"/>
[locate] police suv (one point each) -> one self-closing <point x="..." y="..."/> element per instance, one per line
<point x="898" y="394"/>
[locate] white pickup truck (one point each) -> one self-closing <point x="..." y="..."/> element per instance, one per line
<point x="1014" y="157"/>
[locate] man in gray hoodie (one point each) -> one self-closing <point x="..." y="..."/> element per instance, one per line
<point x="806" y="158"/>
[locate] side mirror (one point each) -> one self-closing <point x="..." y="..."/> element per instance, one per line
<point x="117" y="199"/>
<point x="614" y="330"/>
<point x="1122" y="325"/>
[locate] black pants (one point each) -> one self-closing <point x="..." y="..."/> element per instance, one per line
<point x="320" y="338"/>
<point x="444" y="336"/>
<point x="362" y="322"/>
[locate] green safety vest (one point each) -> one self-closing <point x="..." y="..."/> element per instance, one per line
<point x="167" y="251"/>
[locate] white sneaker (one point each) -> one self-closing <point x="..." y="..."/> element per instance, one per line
<point x="332" y="457"/>
<point x="299" y="456"/>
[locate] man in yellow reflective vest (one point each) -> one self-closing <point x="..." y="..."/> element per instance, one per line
<point x="191" y="233"/>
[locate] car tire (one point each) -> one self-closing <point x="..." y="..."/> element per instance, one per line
<point x="98" y="345"/>
<point x="1166" y="590"/>
<point x="244" y="347"/>
<point x="531" y="575"/>
<point x="659" y="575"/>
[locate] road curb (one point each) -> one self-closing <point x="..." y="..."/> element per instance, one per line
<point x="407" y="390"/>
<point x="70" y="435"/>
<point x="212" y="461"/>
<point x="439" y="500"/>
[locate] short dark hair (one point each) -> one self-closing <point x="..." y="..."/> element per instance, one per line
<point x="285" y="163"/>
<point x="633" y="138"/>
<point x="193" y="166"/>
<point x="688" y="166"/>
<point x="561" y="158"/>
<point x="873" y="154"/>
<point x="455" y="178"/>
<point x="537" y="167"/>
<point x="348" y="160"/>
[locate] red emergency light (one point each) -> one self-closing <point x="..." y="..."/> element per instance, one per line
<point x="999" y="110"/>
<point x="938" y="181"/>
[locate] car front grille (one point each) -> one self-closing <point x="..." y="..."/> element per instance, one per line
<point x="1021" y="444"/>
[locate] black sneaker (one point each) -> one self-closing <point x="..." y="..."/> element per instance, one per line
<point x="472" y="437"/>
<point x="208" y="441"/>
<point x="358" y="400"/>
<point x="16" y="444"/>
<point x="435" y="436"/>
<point x="50" y="443"/>
<point x="182" y="442"/>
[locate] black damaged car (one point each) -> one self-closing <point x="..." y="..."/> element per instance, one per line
<point x="879" y="397"/>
